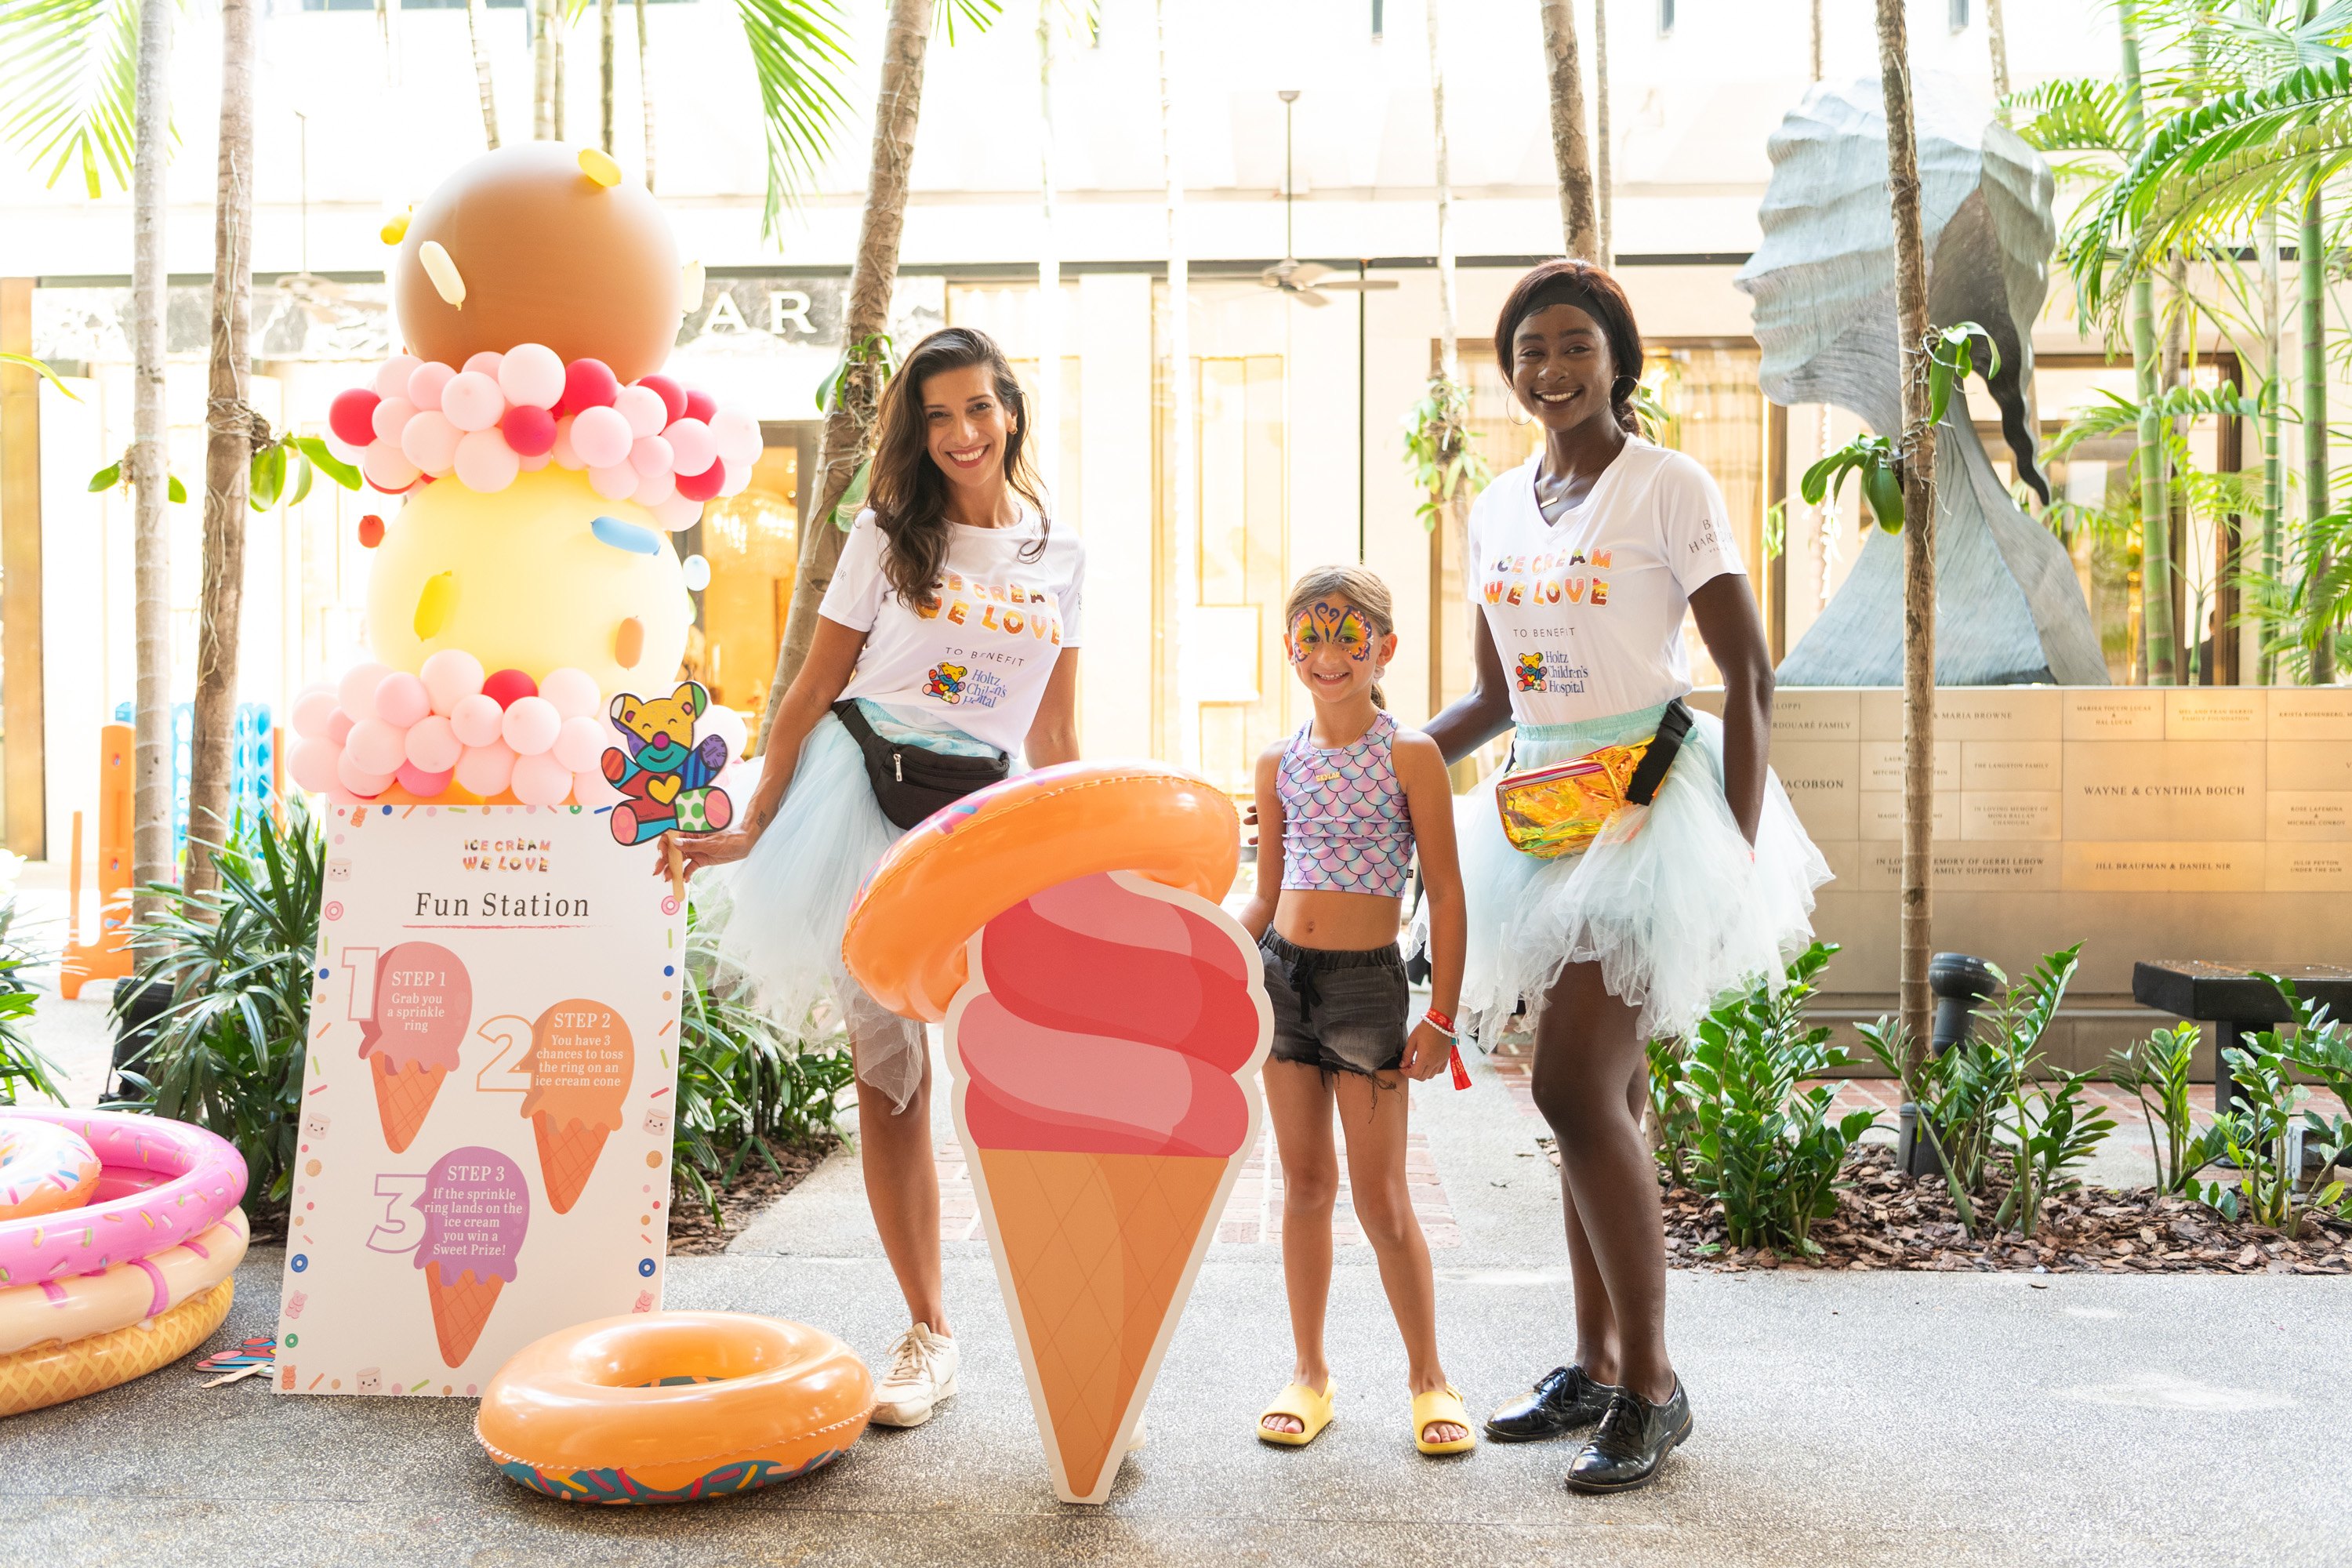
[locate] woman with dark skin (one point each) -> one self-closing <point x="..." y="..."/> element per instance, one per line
<point x="1600" y="500"/>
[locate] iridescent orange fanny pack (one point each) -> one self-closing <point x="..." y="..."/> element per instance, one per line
<point x="1561" y="808"/>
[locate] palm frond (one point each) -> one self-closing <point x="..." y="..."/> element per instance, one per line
<point x="72" y="86"/>
<point x="977" y="15"/>
<point x="2120" y="414"/>
<point x="799" y="52"/>
<point x="2073" y="114"/>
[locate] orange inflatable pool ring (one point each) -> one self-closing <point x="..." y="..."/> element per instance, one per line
<point x="53" y="1373"/>
<point x="673" y="1406"/>
<point x="906" y="936"/>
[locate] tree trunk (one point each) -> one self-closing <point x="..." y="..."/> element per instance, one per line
<point x="1185" y="523"/>
<point x="645" y="89"/>
<point x="1997" y="40"/>
<point x="482" y="73"/>
<point x="1452" y="527"/>
<point x="151" y="757"/>
<point x="1578" y="222"/>
<point x="1817" y="40"/>
<point x="561" y="28"/>
<point x="231" y="432"/>
<point x="2311" y="248"/>
<point x="604" y="72"/>
<point x="848" y="435"/>
<point x="1604" y="182"/>
<point x="2155" y="506"/>
<point x="1917" y="451"/>
<point x="2273" y="377"/>
<point x="543" y="70"/>
<point x="1046" y="421"/>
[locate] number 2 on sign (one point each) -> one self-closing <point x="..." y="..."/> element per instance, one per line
<point x="402" y="1228"/>
<point x="504" y="1074"/>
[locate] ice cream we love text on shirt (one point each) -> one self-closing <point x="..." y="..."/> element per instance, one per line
<point x="1587" y="611"/>
<point x="979" y="655"/>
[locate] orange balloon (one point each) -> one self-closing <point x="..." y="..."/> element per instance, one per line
<point x="967" y="864"/>
<point x="548" y="256"/>
<point x="667" y="1407"/>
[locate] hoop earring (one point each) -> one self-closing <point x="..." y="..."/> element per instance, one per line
<point x="1518" y="415"/>
<point x="1627" y="381"/>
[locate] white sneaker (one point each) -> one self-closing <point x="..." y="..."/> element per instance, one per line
<point x="922" y="1372"/>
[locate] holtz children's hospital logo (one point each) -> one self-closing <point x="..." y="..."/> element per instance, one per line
<point x="1530" y="672"/>
<point x="946" y="683"/>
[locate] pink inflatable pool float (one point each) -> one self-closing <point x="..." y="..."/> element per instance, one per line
<point x="160" y="1183"/>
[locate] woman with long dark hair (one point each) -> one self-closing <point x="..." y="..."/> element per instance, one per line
<point x="947" y="641"/>
<point x="1635" y="860"/>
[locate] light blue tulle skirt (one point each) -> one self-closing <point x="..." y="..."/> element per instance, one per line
<point x="776" y="917"/>
<point x="1670" y="900"/>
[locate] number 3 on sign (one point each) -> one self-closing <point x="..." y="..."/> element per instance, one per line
<point x="402" y="1225"/>
<point x="504" y="1073"/>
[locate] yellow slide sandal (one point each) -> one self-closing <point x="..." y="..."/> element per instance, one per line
<point x="1311" y="1410"/>
<point x="1439" y="1407"/>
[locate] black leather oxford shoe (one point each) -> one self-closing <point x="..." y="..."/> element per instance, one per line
<point x="1634" y="1438"/>
<point x="1563" y="1401"/>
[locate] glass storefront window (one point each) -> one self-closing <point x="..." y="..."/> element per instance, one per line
<point x="752" y="543"/>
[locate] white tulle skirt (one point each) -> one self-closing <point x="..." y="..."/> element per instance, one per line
<point x="776" y="917"/>
<point x="1669" y="900"/>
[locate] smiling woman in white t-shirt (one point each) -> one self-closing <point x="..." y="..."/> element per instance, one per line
<point x="951" y="625"/>
<point x="1580" y="564"/>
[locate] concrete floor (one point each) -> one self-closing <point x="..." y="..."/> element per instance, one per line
<point x="1841" y="1418"/>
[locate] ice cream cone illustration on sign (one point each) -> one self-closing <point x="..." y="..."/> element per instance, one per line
<point x="580" y="1061"/>
<point x="477" y="1210"/>
<point x="424" y="999"/>
<point x="1105" y="1052"/>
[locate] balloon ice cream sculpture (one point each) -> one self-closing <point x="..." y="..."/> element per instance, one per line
<point x="527" y="584"/>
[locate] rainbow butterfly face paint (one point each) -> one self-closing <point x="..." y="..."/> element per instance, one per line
<point x="1330" y="621"/>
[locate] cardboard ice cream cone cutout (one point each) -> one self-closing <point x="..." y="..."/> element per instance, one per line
<point x="417" y="1016"/>
<point x="1105" y="1053"/>
<point x="579" y="1066"/>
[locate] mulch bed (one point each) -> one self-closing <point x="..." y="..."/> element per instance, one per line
<point x="1886" y="1219"/>
<point x="693" y="1233"/>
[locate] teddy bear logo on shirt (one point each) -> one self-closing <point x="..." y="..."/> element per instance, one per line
<point x="1532" y="672"/>
<point x="945" y="682"/>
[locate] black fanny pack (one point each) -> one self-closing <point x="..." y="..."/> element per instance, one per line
<point x="912" y="782"/>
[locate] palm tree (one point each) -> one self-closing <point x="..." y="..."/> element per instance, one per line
<point x="603" y="74"/>
<point x="89" y="87"/>
<point x="1570" y="153"/>
<point x="1997" y="41"/>
<point x="482" y="87"/>
<point x="2154" y="503"/>
<point x="1916" y="453"/>
<point x="232" y="432"/>
<point x="542" y="69"/>
<point x="1441" y="436"/>
<point x="849" y="434"/>
<point x="646" y="88"/>
<point x="1603" y="181"/>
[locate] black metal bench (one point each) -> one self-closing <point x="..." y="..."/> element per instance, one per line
<point x="2227" y="995"/>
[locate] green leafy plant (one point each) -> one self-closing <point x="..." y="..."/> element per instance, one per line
<point x="1440" y="450"/>
<point x="1672" y="1123"/>
<point x="227" y="1051"/>
<point x="21" y="1061"/>
<point x="41" y="369"/>
<point x="274" y="462"/>
<point x="2155" y="1071"/>
<point x="1957" y="1097"/>
<point x="2049" y="1128"/>
<point x="2261" y="1134"/>
<point x="1765" y="1149"/>
<point x="1951" y="359"/>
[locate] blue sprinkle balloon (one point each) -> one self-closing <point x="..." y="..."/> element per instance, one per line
<point x="697" y="574"/>
<point x="627" y="536"/>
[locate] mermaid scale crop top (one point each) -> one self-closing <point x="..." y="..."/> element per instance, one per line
<point x="1345" y="824"/>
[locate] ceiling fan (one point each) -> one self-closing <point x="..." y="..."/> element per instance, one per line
<point x="1308" y="282"/>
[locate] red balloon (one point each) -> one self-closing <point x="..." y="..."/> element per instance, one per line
<point x="699" y="404"/>
<point x="530" y="431"/>
<point x="587" y="383"/>
<point x="672" y="394"/>
<point x="351" y="416"/>
<point x="704" y="485"/>
<point x="371" y="532"/>
<point x="508" y="687"/>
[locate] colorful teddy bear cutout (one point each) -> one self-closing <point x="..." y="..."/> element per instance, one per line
<point x="669" y="780"/>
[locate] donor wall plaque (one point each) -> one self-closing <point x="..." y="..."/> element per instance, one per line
<point x="2142" y="823"/>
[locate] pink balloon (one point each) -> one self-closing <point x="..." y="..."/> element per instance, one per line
<point x="338" y="728"/>
<point x="580" y="745"/>
<point x="424" y="387"/>
<point x="540" y="780"/>
<point x="650" y="455"/>
<point x="532" y="725"/>
<point x="450" y="676"/>
<point x="602" y="437"/>
<point x="472" y="401"/>
<point x="433" y="746"/>
<point x="616" y="483"/>
<point x="387" y="468"/>
<point x="430" y="442"/>
<point x="591" y="788"/>
<point x="401" y="700"/>
<point x="485" y="464"/>
<point x="679" y="513"/>
<point x="529" y="430"/>
<point x="565" y="454"/>
<point x="478" y="720"/>
<point x="392" y="375"/>
<point x="692" y="446"/>
<point x="421" y="783"/>
<point x="312" y="708"/>
<point x="643" y="409"/>
<point x="573" y="692"/>
<point x="484" y="363"/>
<point x="533" y="462"/>
<point x="531" y="375"/>
<point x="356" y="691"/>
<point x="358" y="780"/>
<point x="390" y="417"/>
<point x="739" y="479"/>
<point x="376" y="747"/>
<point x="313" y="763"/>
<point x="655" y="488"/>
<point x="737" y="435"/>
<point x="486" y="771"/>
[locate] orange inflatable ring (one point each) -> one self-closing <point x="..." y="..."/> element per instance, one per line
<point x="52" y="1374"/>
<point x="44" y="1167"/>
<point x="83" y="1306"/>
<point x="673" y="1406"/>
<point x="906" y="933"/>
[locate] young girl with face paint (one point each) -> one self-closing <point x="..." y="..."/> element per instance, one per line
<point x="1342" y="807"/>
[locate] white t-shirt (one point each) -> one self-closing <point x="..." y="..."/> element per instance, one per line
<point x="1587" y="612"/>
<point x="980" y="657"/>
